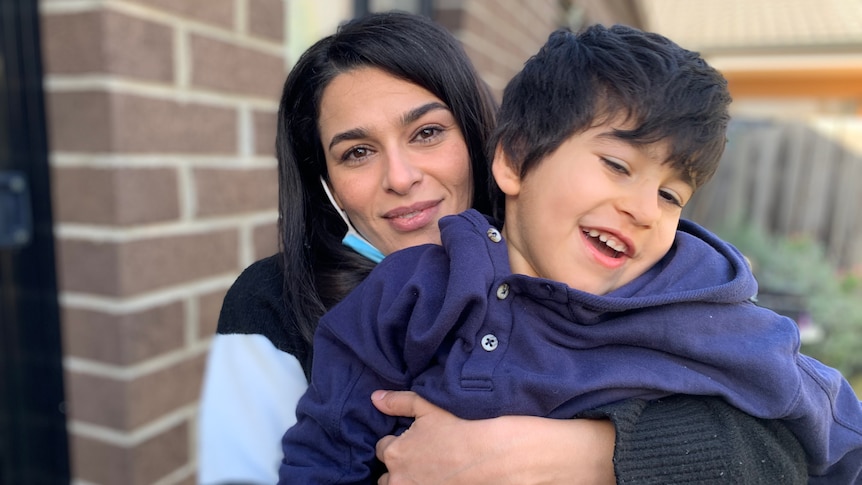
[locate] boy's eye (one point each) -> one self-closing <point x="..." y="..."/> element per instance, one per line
<point x="670" y="197"/>
<point x="615" y="166"/>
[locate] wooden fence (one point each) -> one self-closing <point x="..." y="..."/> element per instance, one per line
<point x="791" y="179"/>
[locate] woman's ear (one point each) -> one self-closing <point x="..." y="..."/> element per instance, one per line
<point x="506" y="177"/>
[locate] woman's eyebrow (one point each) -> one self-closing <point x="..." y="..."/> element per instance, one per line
<point x="408" y="117"/>
<point x="353" y="134"/>
<point x="416" y="113"/>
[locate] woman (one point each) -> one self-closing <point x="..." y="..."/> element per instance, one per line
<point x="389" y="116"/>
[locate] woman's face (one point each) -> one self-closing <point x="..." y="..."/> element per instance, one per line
<point x="396" y="157"/>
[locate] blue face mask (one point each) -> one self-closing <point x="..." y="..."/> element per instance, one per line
<point x="353" y="239"/>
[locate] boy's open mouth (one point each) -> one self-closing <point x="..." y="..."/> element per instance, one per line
<point x="606" y="243"/>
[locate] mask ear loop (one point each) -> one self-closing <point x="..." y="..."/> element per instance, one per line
<point x="353" y="239"/>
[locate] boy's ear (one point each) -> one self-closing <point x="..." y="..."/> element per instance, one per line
<point x="506" y="177"/>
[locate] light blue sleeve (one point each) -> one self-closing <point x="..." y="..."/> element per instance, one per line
<point x="249" y="397"/>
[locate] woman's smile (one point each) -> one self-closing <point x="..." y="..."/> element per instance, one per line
<point x="413" y="217"/>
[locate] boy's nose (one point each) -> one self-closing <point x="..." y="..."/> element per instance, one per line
<point x="642" y="205"/>
<point x="400" y="174"/>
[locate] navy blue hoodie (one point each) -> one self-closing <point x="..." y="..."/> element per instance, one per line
<point x="455" y="325"/>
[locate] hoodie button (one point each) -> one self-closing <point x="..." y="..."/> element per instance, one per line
<point x="502" y="291"/>
<point x="494" y="235"/>
<point x="489" y="342"/>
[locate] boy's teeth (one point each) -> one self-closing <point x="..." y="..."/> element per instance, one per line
<point x="611" y="243"/>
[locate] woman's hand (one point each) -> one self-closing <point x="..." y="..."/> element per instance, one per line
<point x="440" y="448"/>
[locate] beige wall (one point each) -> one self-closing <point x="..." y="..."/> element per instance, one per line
<point x="161" y="117"/>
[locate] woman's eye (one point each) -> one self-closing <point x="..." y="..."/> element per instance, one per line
<point x="355" y="153"/>
<point x="427" y="133"/>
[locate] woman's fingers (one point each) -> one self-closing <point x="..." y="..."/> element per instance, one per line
<point x="399" y="403"/>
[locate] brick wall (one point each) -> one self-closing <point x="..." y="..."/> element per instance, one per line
<point x="161" y="118"/>
<point x="161" y="123"/>
<point x="500" y="35"/>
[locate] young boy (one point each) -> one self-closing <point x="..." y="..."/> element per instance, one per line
<point x="593" y="292"/>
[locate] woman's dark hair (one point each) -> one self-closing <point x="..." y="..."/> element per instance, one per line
<point x="318" y="270"/>
<point x="578" y="81"/>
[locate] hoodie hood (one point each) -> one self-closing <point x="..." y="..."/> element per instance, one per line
<point x="699" y="267"/>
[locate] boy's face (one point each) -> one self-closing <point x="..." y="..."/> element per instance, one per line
<point x="595" y="214"/>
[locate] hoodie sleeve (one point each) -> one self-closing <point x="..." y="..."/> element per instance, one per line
<point x="688" y="440"/>
<point x="337" y="427"/>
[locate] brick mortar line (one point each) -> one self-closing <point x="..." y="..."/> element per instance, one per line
<point x="187" y="196"/>
<point x="167" y="160"/>
<point x="128" y="439"/>
<point x="192" y="227"/>
<point x="179" y="475"/>
<point x="240" y="16"/>
<point x="141" y="302"/>
<point x="245" y="130"/>
<point x="141" y="369"/>
<point x="192" y="315"/>
<point x="61" y="83"/>
<point x="246" y="246"/>
<point x="182" y="59"/>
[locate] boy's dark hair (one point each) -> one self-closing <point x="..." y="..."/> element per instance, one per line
<point x="577" y="81"/>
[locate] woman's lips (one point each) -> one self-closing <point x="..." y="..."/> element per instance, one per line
<point x="413" y="217"/>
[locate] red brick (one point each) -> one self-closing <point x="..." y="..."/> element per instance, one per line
<point x="220" y="66"/>
<point x="95" y="121"/>
<point x="266" y="19"/>
<point x="147" y="125"/>
<point x="71" y="43"/>
<point x="100" y="42"/>
<point x="265" y="239"/>
<point x="161" y="392"/>
<point x="88" y="266"/>
<point x="265" y="126"/>
<point x="451" y="18"/>
<point x="79" y="121"/>
<point x="210" y="307"/>
<point x="99" y="462"/>
<point x="230" y="191"/>
<point x="125" y="405"/>
<point x="214" y="12"/>
<point x="129" y="268"/>
<point x="120" y="196"/>
<point x="123" y="339"/>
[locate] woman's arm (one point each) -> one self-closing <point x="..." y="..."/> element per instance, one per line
<point x="677" y="440"/>
<point x="442" y="448"/>
<point x="695" y="439"/>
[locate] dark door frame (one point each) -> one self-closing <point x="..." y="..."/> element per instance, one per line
<point x="33" y="438"/>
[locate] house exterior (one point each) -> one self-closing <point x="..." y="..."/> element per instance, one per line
<point x="794" y="69"/>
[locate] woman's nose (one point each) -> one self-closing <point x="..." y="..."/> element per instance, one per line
<point x="401" y="175"/>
